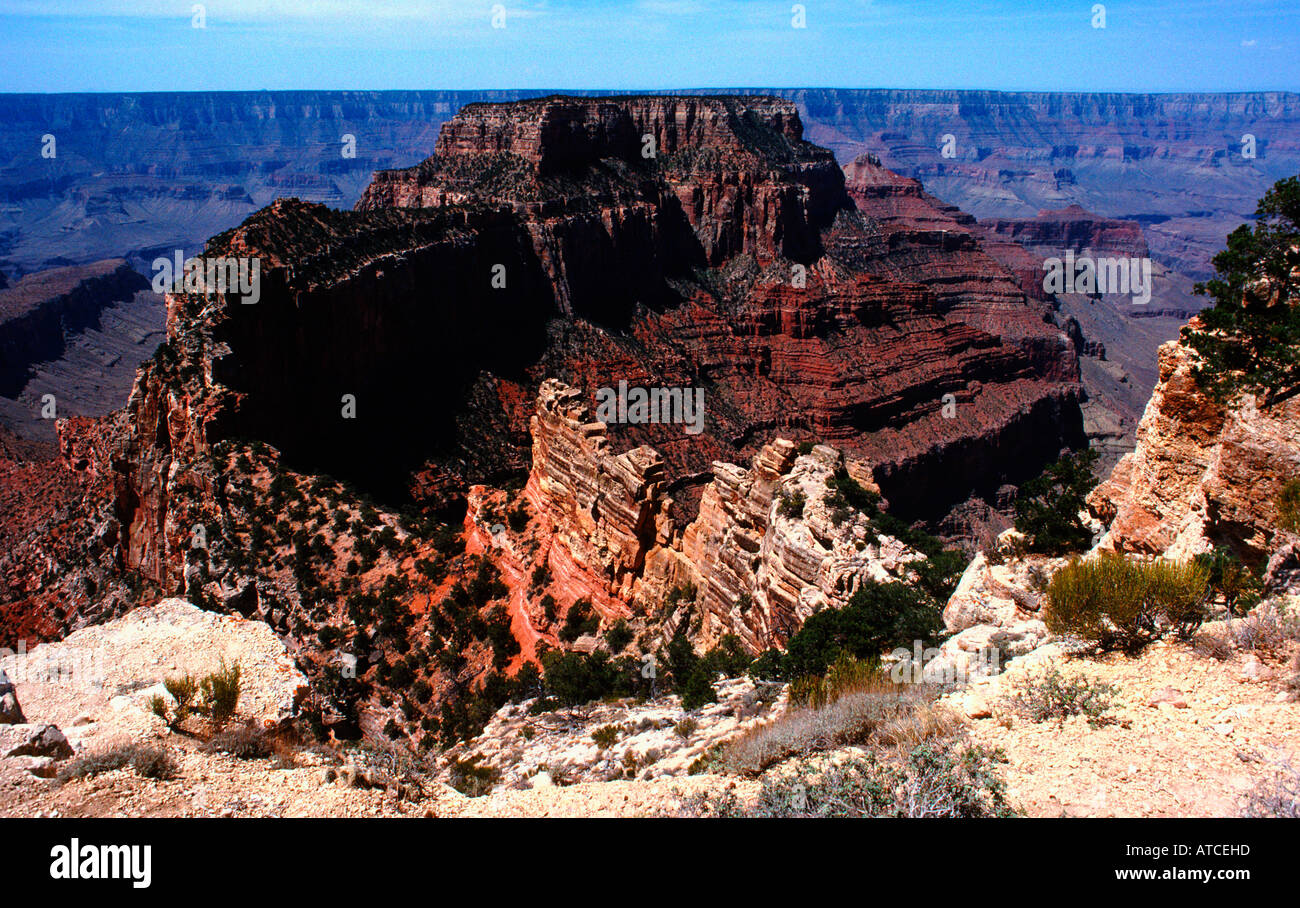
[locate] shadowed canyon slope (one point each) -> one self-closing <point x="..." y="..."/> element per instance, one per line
<point x="733" y="260"/>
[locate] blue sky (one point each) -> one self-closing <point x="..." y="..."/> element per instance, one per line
<point x="151" y="45"/>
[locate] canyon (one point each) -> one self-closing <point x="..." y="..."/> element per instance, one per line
<point x="139" y="176"/>
<point x="391" y="457"/>
<point x="372" y="382"/>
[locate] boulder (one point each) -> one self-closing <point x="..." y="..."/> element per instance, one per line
<point x="1282" y="575"/>
<point x="1170" y="695"/>
<point x="10" y="712"/>
<point x="34" y="741"/>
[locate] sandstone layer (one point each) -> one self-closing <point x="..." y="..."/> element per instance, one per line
<point x="1202" y="474"/>
<point x="756" y="569"/>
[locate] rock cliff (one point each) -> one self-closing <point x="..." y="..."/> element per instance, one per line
<point x="754" y="568"/>
<point x="1117" y="337"/>
<point x="1202" y="474"/>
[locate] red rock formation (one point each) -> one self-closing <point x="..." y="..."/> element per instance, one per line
<point x="1202" y="474"/>
<point x="606" y="534"/>
<point x="604" y="511"/>
<point x="1117" y="339"/>
<point x="737" y="168"/>
<point x="916" y="237"/>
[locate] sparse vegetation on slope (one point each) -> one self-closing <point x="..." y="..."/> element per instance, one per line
<point x="932" y="782"/>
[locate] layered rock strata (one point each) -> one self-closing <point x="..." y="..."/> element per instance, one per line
<point x="1202" y="474"/>
<point x="757" y="569"/>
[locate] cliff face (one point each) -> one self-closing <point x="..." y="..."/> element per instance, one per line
<point x="757" y="570"/>
<point x="913" y="236"/>
<point x="1117" y="337"/>
<point x="600" y="252"/>
<point x="41" y="311"/>
<point x="1202" y="474"/>
<point x="604" y="511"/>
<point x="617" y="172"/>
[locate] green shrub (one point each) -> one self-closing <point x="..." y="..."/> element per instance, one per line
<point x="579" y="622"/>
<point x="940" y="573"/>
<point x="878" y="617"/>
<point x="1121" y="604"/>
<point x="1230" y="579"/>
<point x="183" y="690"/>
<point x="846" y="494"/>
<point x="689" y="674"/>
<point x="728" y="657"/>
<point x="1050" y="695"/>
<point x="1248" y="340"/>
<point x="679" y="594"/>
<point x="541" y="576"/>
<point x="618" y="636"/>
<point x="698" y="688"/>
<point x="472" y="778"/>
<point x="220" y="692"/>
<point x="1048" y="506"/>
<point x="847" y="673"/>
<point x="605" y="736"/>
<point x="572" y="679"/>
<point x="769" y="666"/>
<point x="792" y="504"/>
<point x="1288" y="506"/>
<point x="685" y="728"/>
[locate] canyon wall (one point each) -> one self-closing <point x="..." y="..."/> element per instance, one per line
<point x="203" y="161"/>
<point x="1202" y="474"/>
<point x="1117" y="333"/>
<point x="756" y="569"/>
<point x="393" y="362"/>
<point x="40" y="312"/>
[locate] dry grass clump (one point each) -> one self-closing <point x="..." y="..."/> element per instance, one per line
<point x="929" y="781"/>
<point x="1050" y="695"/>
<point x="869" y="708"/>
<point x="249" y="740"/>
<point x="148" y="761"/>
<point x="1213" y="646"/>
<point x="1276" y="797"/>
<point x="1266" y="630"/>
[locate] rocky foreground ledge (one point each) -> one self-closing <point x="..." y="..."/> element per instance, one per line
<point x="1188" y="734"/>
